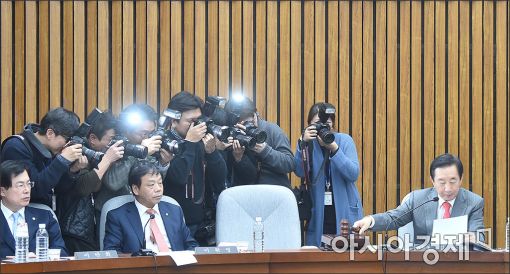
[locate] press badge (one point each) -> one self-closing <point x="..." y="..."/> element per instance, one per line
<point x="328" y="198"/>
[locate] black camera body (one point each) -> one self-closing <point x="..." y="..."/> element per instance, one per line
<point x="137" y="151"/>
<point x="220" y="132"/>
<point x="252" y="131"/>
<point x="323" y="128"/>
<point x="168" y="141"/>
<point x="94" y="157"/>
<point x="214" y="108"/>
<point x="243" y="138"/>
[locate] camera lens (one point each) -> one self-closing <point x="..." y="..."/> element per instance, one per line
<point x="326" y="135"/>
<point x="246" y="141"/>
<point x="137" y="151"/>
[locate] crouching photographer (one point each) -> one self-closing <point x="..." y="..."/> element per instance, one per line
<point x="199" y="171"/>
<point x="134" y="128"/>
<point x="328" y="162"/>
<point x="51" y="164"/>
<point x="76" y="208"/>
<point x="258" y="152"/>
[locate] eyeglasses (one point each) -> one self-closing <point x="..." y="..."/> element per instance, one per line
<point x="21" y="185"/>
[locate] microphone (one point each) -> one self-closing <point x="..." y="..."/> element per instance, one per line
<point x="144" y="251"/>
<point x="385" y="246"/>
<point x="435" y="199"/>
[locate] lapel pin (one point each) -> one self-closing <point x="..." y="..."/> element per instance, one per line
<point x="166" y="214"/>
<point x="33" y="218"/>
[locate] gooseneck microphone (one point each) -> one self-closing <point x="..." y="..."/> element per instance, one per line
<point x="435" y="199"/>
<point x="385" y="256"/>
<point x="144" y="251"/>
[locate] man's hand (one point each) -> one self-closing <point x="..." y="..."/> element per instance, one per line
<point x="209" y="143"/>
<point x="259" y="147"/>
<point x="237" y="151"/>
<point x="80" y="164"/>
<point x="166" y="157"/>
<point x="222" y="146"/>
<point x="196" y="133"/>
<point x="153" y="144"/>
<point x="72" y="152"/>
<point x="363" y="224"/>
<point x="114" y="152"/>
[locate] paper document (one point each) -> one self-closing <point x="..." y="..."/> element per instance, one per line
<point x="183" y="257"/>
<point x="449" y="227"/>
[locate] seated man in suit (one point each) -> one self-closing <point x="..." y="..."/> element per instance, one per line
<point x="454" y="201"/>
<point x="166" y="229"/>
<point x="15" y="188"/>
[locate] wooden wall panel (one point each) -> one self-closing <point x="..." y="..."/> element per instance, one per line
<point x="44" y="59"/>
<point x="7" y="68"/>
<point x="141" y="51"/>
<point x="428" y="89"/>
<point x="410" y="79"/>
<point x="31" y="58"/>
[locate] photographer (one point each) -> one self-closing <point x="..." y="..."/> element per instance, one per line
<point x="52" y="165"/>
<point x="329" y="163"/>
<point x="199" y="170"/>
<point x="268" y="162"/>
<point x="76" y="208"/>
<point x="136" y="123"/>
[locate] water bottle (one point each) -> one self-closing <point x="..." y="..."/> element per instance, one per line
<point x="21" y="240"/>
<point x="507" y="235"/>
<point x="258" y="235"/>
<point x="41" y="243"/>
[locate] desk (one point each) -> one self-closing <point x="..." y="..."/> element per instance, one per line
<point x="298" y="261"/>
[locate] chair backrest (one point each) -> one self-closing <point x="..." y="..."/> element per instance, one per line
<point x="238" y="207"/>
<point x="117" y="202"/>
<point x="408" y="228"/>
<point x="111" y="204"/>
<point x="45" y="207"/>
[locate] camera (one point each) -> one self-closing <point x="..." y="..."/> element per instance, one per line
<point x="168" y="141"/>
<point x="94" y="157"/>
<point x="260" y="136"/>
<point x="214" y="108"/>
<point x="322" y="127"/>
<point x="137" y="151"/>
<point x="220" y="132"/>
<point x="244" y="140"/>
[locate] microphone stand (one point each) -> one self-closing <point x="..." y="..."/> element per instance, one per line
<point x="144" y="251"/>
<point x="385" y="245"/>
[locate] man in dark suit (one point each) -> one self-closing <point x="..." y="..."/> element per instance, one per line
<point x="15" y="188"/>
<point x="166" y="229"/>
<point x="452" y="201"/>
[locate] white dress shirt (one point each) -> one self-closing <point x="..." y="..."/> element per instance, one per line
<point x="144" y="217"/>
<point x="440" y="209"/>
<point x="8" y="214"/>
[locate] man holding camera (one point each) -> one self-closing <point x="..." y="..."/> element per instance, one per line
<point x="136" y="123"/>
<point x="52" y="165"/>
<point x="76" y="208"/>
<point x="268" y="162"/>
<point x="199" y="170"/>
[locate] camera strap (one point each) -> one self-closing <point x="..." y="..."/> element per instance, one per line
<point x="201" y="199"/>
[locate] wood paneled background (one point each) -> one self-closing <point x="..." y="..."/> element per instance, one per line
<point x="410" y="80"/>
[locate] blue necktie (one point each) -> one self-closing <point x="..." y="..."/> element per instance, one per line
<point x="15" y="216"/>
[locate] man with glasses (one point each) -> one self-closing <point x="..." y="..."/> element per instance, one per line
<point x="15" y="188"/>
<point x="136" y="123"/>
<point x="51" y="164"/>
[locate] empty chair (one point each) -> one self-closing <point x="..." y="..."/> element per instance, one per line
<point x="238" y="207"/>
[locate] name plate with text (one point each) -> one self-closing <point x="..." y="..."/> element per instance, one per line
<point x="216" y="250"/>
<point x="87" y="255"/>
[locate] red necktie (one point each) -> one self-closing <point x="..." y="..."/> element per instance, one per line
<point x="446" y="207"/>
<point x="156" y="235"/>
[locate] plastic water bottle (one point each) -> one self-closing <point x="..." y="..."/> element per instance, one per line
<point x="21" y="240"/>
<point x="258" y="235"/>
<point x="41" y="243"/>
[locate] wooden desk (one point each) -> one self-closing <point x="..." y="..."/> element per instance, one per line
<point x="299" y="261"/>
